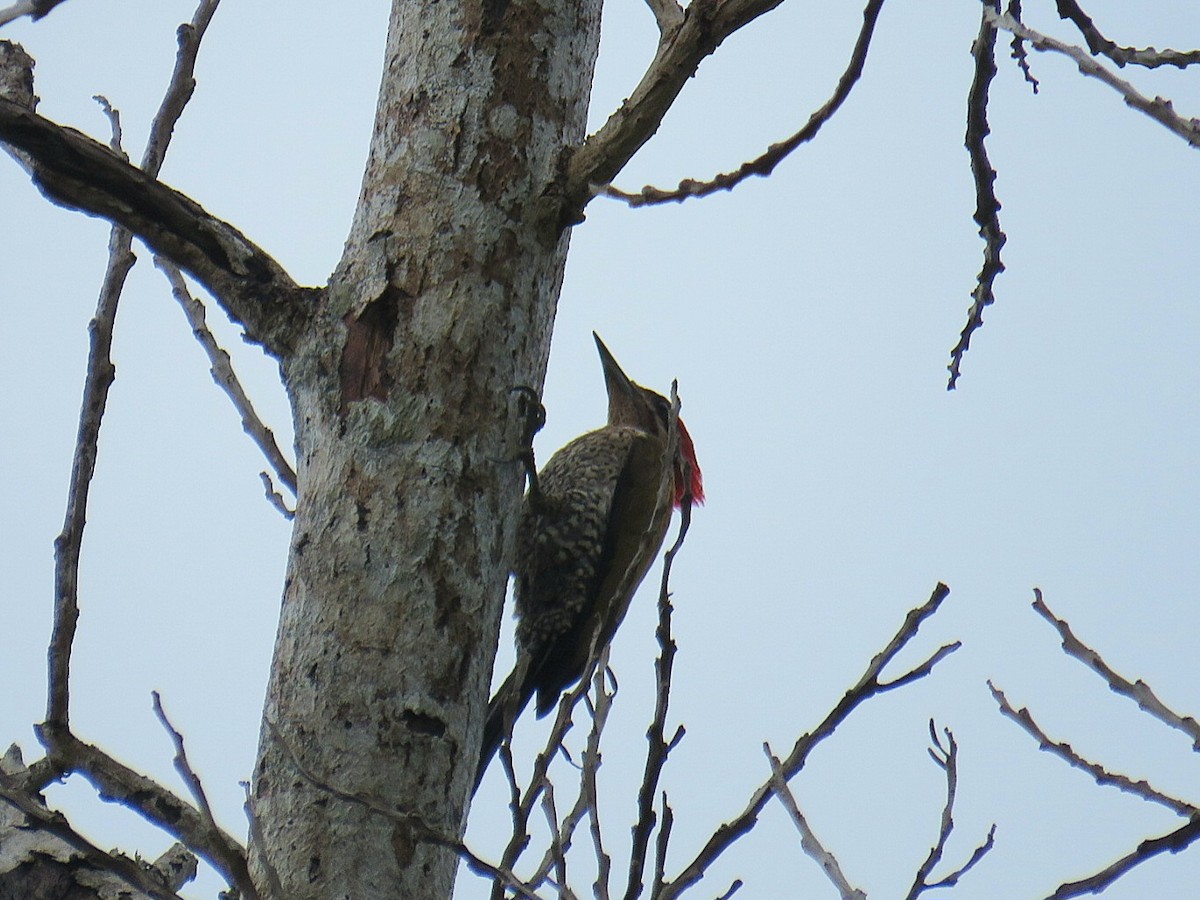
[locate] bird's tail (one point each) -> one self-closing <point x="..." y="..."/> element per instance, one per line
<point x="503" y="710"/>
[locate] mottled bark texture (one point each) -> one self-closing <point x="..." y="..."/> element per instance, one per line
<point x="401" y="386"/>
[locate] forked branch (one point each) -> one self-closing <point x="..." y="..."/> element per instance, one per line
<point x="765" y="164"/>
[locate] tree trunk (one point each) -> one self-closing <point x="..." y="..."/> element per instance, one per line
<point x="401" y="391"/>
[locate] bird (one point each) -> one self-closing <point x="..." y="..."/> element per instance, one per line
<point x="590" y="526"/>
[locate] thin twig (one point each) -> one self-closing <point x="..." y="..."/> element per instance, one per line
<point x="945" y="756"/>
<point x="1099" y="44"/>
<point x="221" y="369"/>
<point x="588" y="787"/>
<point x="556" y="852"/>
<point x="987" y="207"/>
<point x="1101" y="775"/>
<point x="867" y="686"/>
<point x="99" y="375"/>
<point x="765" y="164"/>
<point x="1137" y="691"/>
<point x="182" y="766"/>
<point x="257" y="843"/>
<point x="1159" y="109"/>
<point x="808" y="838"/>
<point x="98" y="378"/>
<point x="522" y="805"/>
<point x="705" y="24"/>
<point x="1018" y="48"/>
<point x="658" y="747"/>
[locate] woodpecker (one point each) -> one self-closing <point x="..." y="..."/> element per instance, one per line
<point x="590" y="527"/>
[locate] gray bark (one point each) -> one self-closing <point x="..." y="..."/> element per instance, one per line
<point x="400" y="387"/>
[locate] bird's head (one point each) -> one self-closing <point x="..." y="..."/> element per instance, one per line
<point x="631" y="404"/>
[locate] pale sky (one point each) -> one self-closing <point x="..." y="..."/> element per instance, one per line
<point x="808" y="318"/>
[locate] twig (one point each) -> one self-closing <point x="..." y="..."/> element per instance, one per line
<point x="588" y="787"/>
<point x="765" y="164"/>
<point x="661" y="844"/>
<point x="274" y="884"/>
<point x="705" y="24"/>
<point x="221" y="369"/>
<point x="945" y="756"/>
<point x="274" y="497"/>
<point x="556" y="852"/>
<point x="1137" y="691"/>
<point x="1069" y="755"/>
<point x="98" y="378"/>
<point x="522" y="806"/>
<point x="179" y="88"/>
<point x="658" y="746"/>
<point x="867" y="686"/>
<point x="987" y="207"/>
<point x="1179" y="839"/>
<point x="1018" y="48"/>
<point x="182" y="766"/>
<point x="1099" y="44"/>
<point x="1159" y="109"/>
<point x="808" y="839"/>
<point x="114" y="123"/>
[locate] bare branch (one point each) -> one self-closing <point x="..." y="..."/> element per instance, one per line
<point x="1099" y="44"/>
<point x="589" y="789"/>
<point x="1159" y="109"/>
<point x="868" y="686"/>
<point x="182" y="766"/>
<point x="1137" y="691"/>
<point x="221" y="369"/>
<point x="1179" y="839"/>
<point x="75" y="171"/>
<point x="1018" y="48"/>
<point x="659" y="747"/>
<point x="1101" y="775"/>
<point x="987" y="207"/>
<point x="274" y="497"/>
<point x="116" y="782"/>
<point x="179" y="88"/>
<point x="705" y="24"/>
<point x="522" y="805"/>
<point x="946" y="757"/>
<point x="275" y="886"/>
<point x="555" y="851"/>
<point x="55" y="841"/>
<point x="808" y="839"/>
<point x="765" y="164"/>
<point x="98" y="378"/>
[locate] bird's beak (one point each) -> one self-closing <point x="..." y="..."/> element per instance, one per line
<point x="623" y="394"/>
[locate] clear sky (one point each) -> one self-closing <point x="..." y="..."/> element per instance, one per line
<point x="808" y="318"/>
